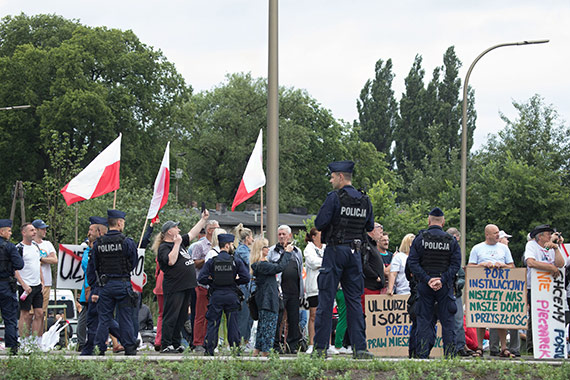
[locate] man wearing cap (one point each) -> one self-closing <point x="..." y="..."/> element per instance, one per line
<point x="540" y="253"/>
<point x="492" y="254"/>
<point x="114" y="256"/>
<point x="344" y="218"/>
<point x="223" y="274"/>
<point x="179" y="279"/>
<point x="10" y="260"/>
<point x="435" y="259"/>
<point x="90" y="291"/>
<point x="48" y="258"/>
<point x="30" y="278"/>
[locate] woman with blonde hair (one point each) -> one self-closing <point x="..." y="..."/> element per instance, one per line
<point x="267" y="292"/>
<point x="244" y="236"/>
<point x="397" y="282"/>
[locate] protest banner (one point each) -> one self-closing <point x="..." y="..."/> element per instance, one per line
<point x="547" y="308"/>
<point x="70" y="274"/>
<point x="495" y="298"/>
<point x="388" y="326"/>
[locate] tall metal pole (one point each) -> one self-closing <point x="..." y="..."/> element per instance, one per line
<point x="463" y="208"/>
<point x="272" y="127"/>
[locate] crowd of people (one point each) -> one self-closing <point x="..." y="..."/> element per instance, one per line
<point x="263" y="297"/>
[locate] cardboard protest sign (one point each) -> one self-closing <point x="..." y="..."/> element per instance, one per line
<point x="495" y="298"/>
<point x="388" y="326"/>
<point x="70" y="274"/>
<point x="547" y="307"/>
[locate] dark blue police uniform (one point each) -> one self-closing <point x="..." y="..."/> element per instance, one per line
<point x="92" y="316"/>
<point x="10" y="260"/>
<point x="220" y="274"/>
<point x="114" y="257"/>
<point x="435" y="254"/>
<point x="344" y="218"/>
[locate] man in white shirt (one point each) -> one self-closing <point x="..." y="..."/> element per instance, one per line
<point x="48" y="258"/>
<point x="30" y="280"/>
<point x="491" y="254"/>
<point x="543" y="254"/>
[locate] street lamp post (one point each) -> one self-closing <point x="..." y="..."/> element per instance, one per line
<point x="463" y="223"/>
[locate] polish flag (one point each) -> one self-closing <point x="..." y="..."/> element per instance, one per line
<point x="161" y="186"/>
<point x="100" y="177"/>
<point x="254" y="177"/>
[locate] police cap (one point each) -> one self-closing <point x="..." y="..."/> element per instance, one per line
<point x="115" y="214"/>
<point x="38" y="223"/>
<point x="5" y="223"/>
<point x="168" y="225"/>
<point x="436" y="211"/>
<point x="97" y="220"/>
<point x="542" y="228"/>
<point x="223" y="239"/>
<point x="341" y="166"/>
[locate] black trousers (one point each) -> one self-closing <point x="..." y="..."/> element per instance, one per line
<point x="291" y="303"/>
<point x="174" y="315"/>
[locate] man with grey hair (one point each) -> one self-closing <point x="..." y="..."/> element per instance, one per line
<point x="291" y="286"/>
<point x="199" y="252"/>
<point x="541" y="253"/>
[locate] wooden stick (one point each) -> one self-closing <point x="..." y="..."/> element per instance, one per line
<point x="144" y="228"/>
<point x="262" y="212"/>
<point x="115" y="200"/>
<point x="76" y="223"/>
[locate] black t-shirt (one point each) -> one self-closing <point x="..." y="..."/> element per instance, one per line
<point x="181" y="275"/>
<point x="290" y="279"/>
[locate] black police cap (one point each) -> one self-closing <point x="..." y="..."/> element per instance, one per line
<point x="436" y="211"/>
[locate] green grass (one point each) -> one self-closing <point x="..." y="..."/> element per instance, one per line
<point x="40" y="366"/>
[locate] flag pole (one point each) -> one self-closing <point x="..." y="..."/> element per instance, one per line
<point x="115" y="199"/>
<point x="262" y="212"/>
<point x="142" y="235"/>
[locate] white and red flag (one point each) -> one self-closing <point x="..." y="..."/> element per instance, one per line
<point x="161" y="186"/>
<point x="100" y="177"/>
<point x="254" y="176"/>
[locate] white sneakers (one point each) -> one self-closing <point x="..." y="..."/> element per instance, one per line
<point x="309" y="350"/>
<point x="345" y="350"/>
<point x="332" y="350"/>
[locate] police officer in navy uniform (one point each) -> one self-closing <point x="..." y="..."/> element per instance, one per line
<point x="435" y="259"/>
<point x="344" y="218"/>
<point x="223" y="274"/>
<point x="114" y="257"/>
<point x="10" y="260"/>
<point x="97" y="228"/>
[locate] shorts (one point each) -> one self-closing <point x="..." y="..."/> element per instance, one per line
<point x="34" y="300"/>
<point x="313" y="301"/>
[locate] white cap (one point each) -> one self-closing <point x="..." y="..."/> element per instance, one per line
<point x="503" y="234"/>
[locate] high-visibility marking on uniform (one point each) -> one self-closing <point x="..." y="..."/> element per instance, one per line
<point x="353" y="211"/>
<point x="436" y="245"/>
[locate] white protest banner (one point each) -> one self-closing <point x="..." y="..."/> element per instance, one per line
<point x="548" y="324"/>
<point x="495" y="298"/>
<point x="70" y="274"/>
<point x="388" y="326"/>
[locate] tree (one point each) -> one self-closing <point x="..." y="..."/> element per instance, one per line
<point x="378" y="109"/>
<point x="90" y="83"/>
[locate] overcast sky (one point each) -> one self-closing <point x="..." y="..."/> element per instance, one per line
<point x="330" y="47"/>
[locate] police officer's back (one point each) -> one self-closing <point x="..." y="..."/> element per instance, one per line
<point x="10" y="260"/>
<point x="434" y="261"/>
<point x="344" y="218"/>
<point x="114" y="257"/>
<point x="223" y="274"/>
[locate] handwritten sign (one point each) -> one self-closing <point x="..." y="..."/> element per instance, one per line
<point x="70" y="274"/>
<point x="496" y="298"/>
<point x="547" y="307"/>
<point x="388" y="326"/>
